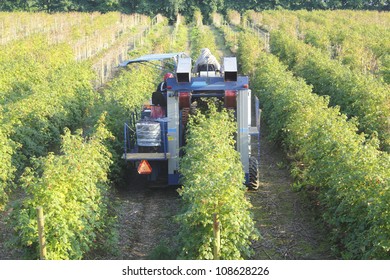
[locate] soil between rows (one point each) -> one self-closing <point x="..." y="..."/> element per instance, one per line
<point x="288" y="221"/>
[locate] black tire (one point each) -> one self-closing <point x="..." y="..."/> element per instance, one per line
<point x="254" y="174"/>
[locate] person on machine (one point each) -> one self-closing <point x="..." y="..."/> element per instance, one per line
<point x="162" y="87"/>
<point x="159" y="98"/>
<point x="206" y="62"/>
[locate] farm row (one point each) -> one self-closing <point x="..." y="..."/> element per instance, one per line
<point x="216" y="222"/>
<point x="360" y="94"/>
<point x="349" y="172"/>
<point x="101" y="39"/>
<point x="47" y="97"/>
<point x="355" y="38"/>
<point x="62" y="140"/>
<point x="72" y="186"/>
<point x="43" y="90"/>
<point x="88" y="34"/>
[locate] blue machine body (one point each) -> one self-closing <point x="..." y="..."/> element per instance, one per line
<point x="182" y="90"/>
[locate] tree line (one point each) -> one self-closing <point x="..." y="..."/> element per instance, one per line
<point x="170" y="8"/>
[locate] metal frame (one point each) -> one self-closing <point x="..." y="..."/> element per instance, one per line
<point x="154" y="57"/>
<point x="173" y="136"/>
<point x="243" y="124"/>
<point x="199" y="86"/>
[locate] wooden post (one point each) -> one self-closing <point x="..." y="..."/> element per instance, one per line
<point x="217" y="237"/>
<point x="41" y="233"/>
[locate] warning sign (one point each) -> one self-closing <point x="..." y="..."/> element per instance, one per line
<point x="144" y="168"/>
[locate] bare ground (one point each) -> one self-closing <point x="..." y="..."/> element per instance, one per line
<point x="144" y="220"/>
<point x="6" y="253"/>
<point x="287" y="220"/>
<point x="6" y="233"/>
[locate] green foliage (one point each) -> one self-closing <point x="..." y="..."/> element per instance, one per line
<point x="58" y="95"/>
<point x="61" y="101"/>
<point x="231" y="39"/>
<point x="351" y="173"/>
<point x="385" y="68"/>
<point x="27" y="65"/>
<point x="180" y="41"/>
<point x="7" y="170"/>
<point x="43" y="91"/>
<point x="249" y="48"/>
<point x="60" y="5"/>
<point x="198" y="18"/>
<point x="172" y="7"/>
<point x="71" y="188"/>
<point x="213" y="184"/>
<point x="357" y="39"/>
<point x="202" y="37"/>
<point x="233" y="17"/>
<point x="163" y="252"/>
<point x="358" y="95"/>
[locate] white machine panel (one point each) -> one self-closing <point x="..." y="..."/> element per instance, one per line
<point x="243" y="123"/>
<point x="173" y="132"/>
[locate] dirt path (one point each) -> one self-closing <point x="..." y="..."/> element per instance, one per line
<point x="144" y="221"/>
<point x="223" y="49"/>
<point x="285" y="219"/>
<point x="5" y="235"/>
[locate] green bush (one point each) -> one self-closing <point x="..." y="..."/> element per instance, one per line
<point x="249" y="48"/>
<point x="202" y="37"/>
<point x="213" y="185"/>
<point x="7" y="148"/>
<point x="71" y="188"/>
<point x="351" y="173"/>
<point x="358" y="95"/>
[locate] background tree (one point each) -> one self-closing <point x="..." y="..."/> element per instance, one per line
<point x="19" y="5"/>
<point x="170" y="8"/>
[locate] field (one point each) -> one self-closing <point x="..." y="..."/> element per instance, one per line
<point x="322" y="78"/>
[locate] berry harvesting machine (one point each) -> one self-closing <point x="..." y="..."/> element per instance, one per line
<point x="154" y="145"/>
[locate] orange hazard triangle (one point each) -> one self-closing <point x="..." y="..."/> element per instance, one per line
<point x="144" y="168"/>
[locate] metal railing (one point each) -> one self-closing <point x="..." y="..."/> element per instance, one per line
<point x="264" y="34"/>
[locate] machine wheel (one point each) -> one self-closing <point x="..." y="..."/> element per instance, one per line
<point x="254" y="174"/>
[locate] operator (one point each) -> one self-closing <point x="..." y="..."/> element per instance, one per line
<point x="206" y="62"/>
<point x="159" y="97"/>
<point x="162" y="87"/>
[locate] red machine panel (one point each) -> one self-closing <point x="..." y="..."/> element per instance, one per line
<point x="230" y="99"/>
<point x="184" y="99"/>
